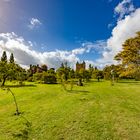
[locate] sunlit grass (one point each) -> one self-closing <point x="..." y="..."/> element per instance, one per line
<point x="95" y="111"/>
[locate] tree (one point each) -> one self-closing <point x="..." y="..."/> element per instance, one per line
<point x="97" y="74"/>
<point x="130" y="57"/>
<point x="4" y="57"/>
<point x="107" y="72"/>
<point x="63" y="72"/>
<point x="21" y="74"/>
<point x="71" y="74"/>
<point x="12" y="58"/>
<point x="80" y="76"/>
<point x="62" y="65"/>
<point x="87" y="75"/>
<point x="38" y="76"/>
<point x="3" y="72"/>
<point x="7" y="70"/>
<point x="91" y="69"/>
<point x="44" y="67"/>
<point x="49" y="77"/>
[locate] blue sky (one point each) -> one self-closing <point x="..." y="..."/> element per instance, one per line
<point x="64" y="26"/>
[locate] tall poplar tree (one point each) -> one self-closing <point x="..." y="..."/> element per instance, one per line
<point x="12" y="58"/>
<point x="4" y="57"/>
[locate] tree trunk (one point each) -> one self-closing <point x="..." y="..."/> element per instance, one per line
<point x="80" y="82"/>
<point x="3" y="82"/>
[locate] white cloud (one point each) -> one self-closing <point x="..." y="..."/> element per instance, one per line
<point x="34" y="22"/>
<point x="123" y="8"/>
<point x="110" y="25"/>
<point x="125" y="28"/>
<point x="79" y="51"/>
<point x="25" y="56"/>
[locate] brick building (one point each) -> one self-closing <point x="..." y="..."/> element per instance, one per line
<point x="80" y="66"/>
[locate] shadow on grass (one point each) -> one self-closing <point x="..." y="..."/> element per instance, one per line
<point x="17" y="86"/>
<point x="25" y="131"/>
<point x="130" y="82"/>
<point x="94" y="81"/>
<point x="77" y="91"/>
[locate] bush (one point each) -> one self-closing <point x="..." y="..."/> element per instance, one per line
<point x="50" y="79"/>
<point x="37" y="76"/>
<point x="30" y="79"/>
<point x="137" y="76"/>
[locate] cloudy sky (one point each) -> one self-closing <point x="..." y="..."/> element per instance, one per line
<point x="55" y="31"/>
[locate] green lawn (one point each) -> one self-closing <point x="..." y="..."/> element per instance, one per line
<point x="96" y="111"/>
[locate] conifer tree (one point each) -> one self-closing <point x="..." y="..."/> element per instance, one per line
<point x="4" y="57"/>
<point x="12" y="58"/>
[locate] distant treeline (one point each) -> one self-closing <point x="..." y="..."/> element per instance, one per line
<point x="128" y="67"/>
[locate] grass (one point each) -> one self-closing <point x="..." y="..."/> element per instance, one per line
<point x="96" y="111"/>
